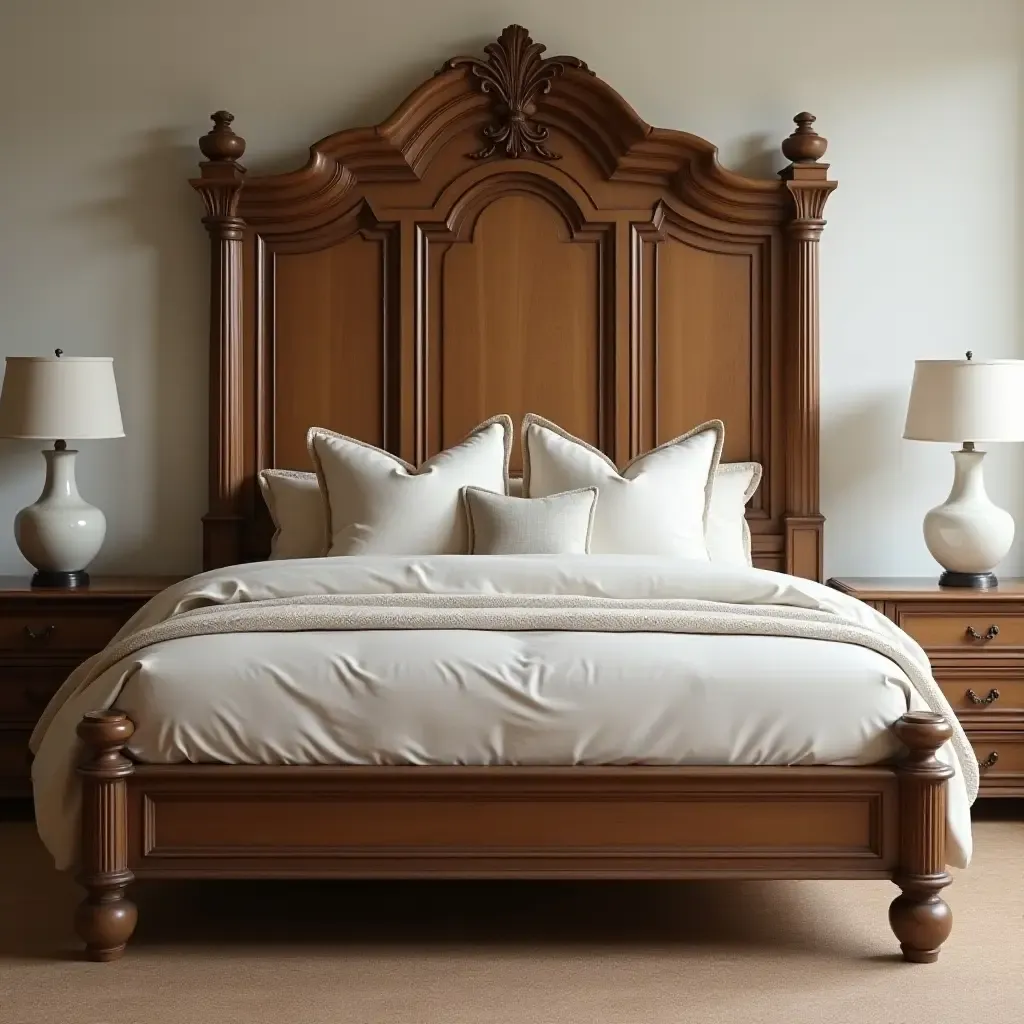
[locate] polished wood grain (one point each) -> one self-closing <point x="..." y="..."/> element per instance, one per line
<point x="516" y="303"/>
<point x="87" y="628"/>
<point x="460" y="259"/>
<point x="909" y="588"/>
<point x="987" y="629"/>
<point x="486" y="822"/>
<point x="999" y="748"/>
<point x="100" y="589"/>
<point x="205" y="821"/>
<point x="919" y="916"/>
<point x="706" y="355"/>
<point x="106" y="918"/>
<point x="984" y="694"/>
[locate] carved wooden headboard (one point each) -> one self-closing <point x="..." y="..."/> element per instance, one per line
<point x="514" y="238"/>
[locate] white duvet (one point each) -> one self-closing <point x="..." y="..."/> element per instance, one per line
<point x="499" y="660"/>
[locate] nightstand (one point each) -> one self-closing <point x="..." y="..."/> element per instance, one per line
<point x="975" y="642"/>
<point x="44" y="634"/>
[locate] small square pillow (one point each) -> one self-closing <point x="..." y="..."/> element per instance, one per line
<point x="728" y="535"/>
<point x="297" y="510"/>
<point x="657" y="505"/>
<point x="559" y="524"/>
<point x="377" y="504"/>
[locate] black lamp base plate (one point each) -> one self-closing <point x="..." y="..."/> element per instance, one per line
<point x="974" y="580"/>
<point x="61" y="580"/>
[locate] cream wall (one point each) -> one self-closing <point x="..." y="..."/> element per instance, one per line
<point x="101" y="250"/>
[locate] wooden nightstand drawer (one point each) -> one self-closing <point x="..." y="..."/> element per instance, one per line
<point x="25" y="689"/>
<point x="968" y="630"/>
<point x="81" y="630"/>
<point x="1000" y="761"/>
<point x="975" y="642"/>
<point x="983" y="693"/>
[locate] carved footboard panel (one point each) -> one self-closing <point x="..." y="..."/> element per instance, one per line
<point x="189" y="821"/>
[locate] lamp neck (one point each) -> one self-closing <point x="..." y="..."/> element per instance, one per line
<point x="60" y="480"/>
<point x="968" y="480"/>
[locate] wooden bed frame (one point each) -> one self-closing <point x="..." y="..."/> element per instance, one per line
<point x="514" y="238"/>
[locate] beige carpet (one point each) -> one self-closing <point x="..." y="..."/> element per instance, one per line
<point x="552" y="953"/>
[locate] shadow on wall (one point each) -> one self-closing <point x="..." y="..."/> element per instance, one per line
<point x="21" y="476"/>
<point x="370" y="107"/>
<point x="758" y="156"/>
<point x="851" y="442"/>
<point x="154" y="526"/>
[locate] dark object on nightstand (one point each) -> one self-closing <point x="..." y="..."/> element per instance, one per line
<point x="975" y="642"/>
<point x="62" y="580"/>
<point x="972" y="580"/>
<point x="44" y="634"/>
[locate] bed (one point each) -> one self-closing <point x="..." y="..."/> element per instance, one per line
<point x="514" y="237"/>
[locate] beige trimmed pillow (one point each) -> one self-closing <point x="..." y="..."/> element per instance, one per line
<point x="377" y="504"/>
<point x="297" y="510"/>
<point x="658" y="504"/>
<point x="728" y="535"/>
<point x="559" y="524"/>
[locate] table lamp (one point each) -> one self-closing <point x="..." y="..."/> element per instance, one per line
<point x="59" y="397"/>
<point x="952" y="400"/>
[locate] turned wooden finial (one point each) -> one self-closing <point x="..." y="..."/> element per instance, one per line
<point x="805" y="145"/>
<point x="220" y="143"/>
<point x="922" y="733"/>
<point x="104" y="733"/>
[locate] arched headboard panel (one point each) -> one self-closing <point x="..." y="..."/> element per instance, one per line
<point x="514" y="238"/>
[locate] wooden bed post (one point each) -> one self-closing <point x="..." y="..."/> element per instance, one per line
<point x="807" y="181"/>
<point x="919" y="916"/>
<point x="220" y="185"/>
<point x="106" y="918"/>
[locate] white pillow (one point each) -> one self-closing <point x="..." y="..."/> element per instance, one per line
<point x="297" y="509"/>
<point x="656" y="506"/>
<point x="377" y="504"/>
<point x="728" y="535"/>
<point x="557" y="525"/>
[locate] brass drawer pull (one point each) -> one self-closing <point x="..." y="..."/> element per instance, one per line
<point x="37" y="635"/>
<point x="993" y="696"/>
<point x="989" y="761"/>
<point x="990" y="634"/>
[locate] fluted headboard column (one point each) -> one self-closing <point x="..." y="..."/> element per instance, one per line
<point x="220" y="185"/>
<point x="806" y="178"/>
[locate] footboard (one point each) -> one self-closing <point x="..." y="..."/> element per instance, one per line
<point x="631" y="822"/>
<point x="197" y="821"/>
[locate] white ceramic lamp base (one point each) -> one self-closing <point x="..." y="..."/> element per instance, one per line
<point x="61" y="533"/>
<point x="968" y="535"/>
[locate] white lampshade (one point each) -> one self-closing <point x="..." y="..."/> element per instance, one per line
<point x="59" y="398"/>
<point x="966" y="400"/>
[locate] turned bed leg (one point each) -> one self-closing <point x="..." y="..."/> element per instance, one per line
<point x="106" y="918"/>
<point x="919" y="916"/>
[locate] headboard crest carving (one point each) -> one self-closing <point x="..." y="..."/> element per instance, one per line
<point x="516" y="75"/>
<point x="619" y="280"/>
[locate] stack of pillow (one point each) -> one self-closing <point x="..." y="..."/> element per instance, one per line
<point x="676" y="500"/>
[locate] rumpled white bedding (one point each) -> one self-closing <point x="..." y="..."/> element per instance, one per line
<point x="499" y="660"/>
